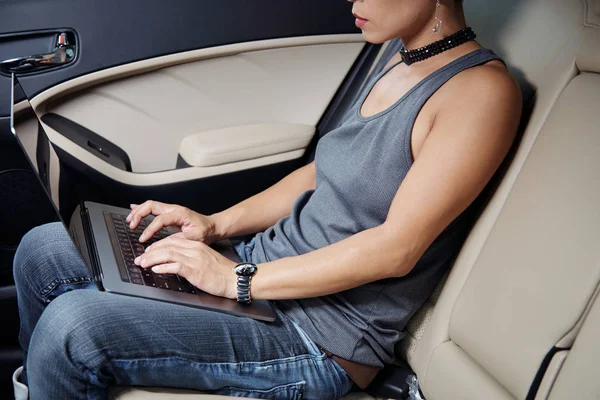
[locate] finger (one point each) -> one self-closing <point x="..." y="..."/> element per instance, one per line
<point x="133" y="208"/>
<point x="176" y="241"/>
<point x="136" y="211"/>
<point x="188" y="252"/>
<point x="174" y="217"/>
<point x="162" y="256"/>
<point x="170" y="268"/>
<point x="140" y="212"/>
<point x="149" y="207"/>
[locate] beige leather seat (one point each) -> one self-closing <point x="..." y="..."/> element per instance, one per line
<point x="518" y="313"/>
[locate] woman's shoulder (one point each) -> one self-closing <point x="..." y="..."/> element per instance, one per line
<point x="487" y="84"/>
<point x="490" y="78"/>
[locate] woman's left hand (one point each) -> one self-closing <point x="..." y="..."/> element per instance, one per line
<point x="203" y="267"/>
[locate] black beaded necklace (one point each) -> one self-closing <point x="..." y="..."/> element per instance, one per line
<point x="456" y="39"/>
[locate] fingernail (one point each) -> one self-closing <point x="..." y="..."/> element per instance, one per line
<point x="156" y="269"/>
<point x="137" y="261"/>
<point x="147" y="249"/>
<point x="128" y="217"/>
<point x="142" y="237"/>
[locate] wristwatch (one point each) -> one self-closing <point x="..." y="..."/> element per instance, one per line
<point x="245" y="272"/>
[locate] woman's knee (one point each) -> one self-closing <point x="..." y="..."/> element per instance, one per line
<point x="66" y="332"/>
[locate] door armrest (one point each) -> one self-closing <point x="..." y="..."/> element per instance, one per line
<point x="246" y="142"/>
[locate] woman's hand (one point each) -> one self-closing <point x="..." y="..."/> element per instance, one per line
<point x="190" y="224"/>
<point x="202" y="266"/>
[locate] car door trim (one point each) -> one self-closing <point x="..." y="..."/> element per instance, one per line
<point x="122" y="71"/>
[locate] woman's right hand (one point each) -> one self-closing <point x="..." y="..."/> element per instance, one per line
<point x="189" y="224"/>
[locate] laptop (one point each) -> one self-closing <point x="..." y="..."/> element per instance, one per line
<point x="103" y="238"/>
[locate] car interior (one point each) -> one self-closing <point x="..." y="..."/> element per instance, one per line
<point x="208" y="124"/>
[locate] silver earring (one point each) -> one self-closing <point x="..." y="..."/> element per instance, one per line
<point x="437" y="28"/>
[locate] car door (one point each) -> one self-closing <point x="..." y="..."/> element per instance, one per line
<point x="195" y="102"/>
<point x="199" y="103"/>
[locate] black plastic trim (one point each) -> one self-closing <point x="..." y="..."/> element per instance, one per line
<point x="43" y="157"/>
<point x="20" y="96"/>
<point x="207" y="195"/>
<point x="537" y="381"/>
<point x="89" y="140"/>
<point x="181" y="163"/>
<point x="390" y="382"/>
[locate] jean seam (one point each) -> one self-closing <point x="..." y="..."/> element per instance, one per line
<point x="57" y="282"/>
<point x="276" y="388"/>
<point x="240" y="364"/>
<point x="275" y="361"/>
<point x="336" y="377"/>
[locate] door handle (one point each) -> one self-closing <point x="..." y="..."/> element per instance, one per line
<point x="63" y="54"/>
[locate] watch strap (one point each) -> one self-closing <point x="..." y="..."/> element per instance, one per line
<point x="243" y="289"/>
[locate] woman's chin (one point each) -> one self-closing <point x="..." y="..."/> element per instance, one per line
<point x="374" y="37"/>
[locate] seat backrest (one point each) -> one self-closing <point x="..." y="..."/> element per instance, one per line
<point x="523" y="283"/>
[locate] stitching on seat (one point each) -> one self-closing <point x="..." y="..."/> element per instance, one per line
<point x="591" y="18"/>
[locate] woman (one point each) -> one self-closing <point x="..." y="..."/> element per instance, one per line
<point x="350" y="247"/>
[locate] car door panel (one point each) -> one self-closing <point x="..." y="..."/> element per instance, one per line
<point x="145" y="78"/>
<point x="206" y="189"/>
<point x="149" y="113"/>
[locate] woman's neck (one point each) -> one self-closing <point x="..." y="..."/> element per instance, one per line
<point x="453" y="20"/>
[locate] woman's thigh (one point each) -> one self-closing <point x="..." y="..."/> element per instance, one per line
<point x="97" y="339"/>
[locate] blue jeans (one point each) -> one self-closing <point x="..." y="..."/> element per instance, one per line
<point x="78" y="342"/>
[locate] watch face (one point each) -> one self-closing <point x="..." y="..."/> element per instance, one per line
<point x="246" y="269"/>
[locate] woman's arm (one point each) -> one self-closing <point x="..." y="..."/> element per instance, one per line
<point x="253" y="215"/>
<point x="467" y="143"/>
<point x="468" y="140"/>
<point x="263" y="210"/>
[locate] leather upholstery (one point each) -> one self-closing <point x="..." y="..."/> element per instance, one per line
<point x="532" y="56"/>
<point x="537" y="271"/>
<point x="525" y="277"/>
<point x="579" y="376"/>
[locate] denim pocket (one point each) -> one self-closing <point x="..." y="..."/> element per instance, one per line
<point x="292" y="391"/>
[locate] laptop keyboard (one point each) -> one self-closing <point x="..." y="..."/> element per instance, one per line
<point x="128" y="241"/>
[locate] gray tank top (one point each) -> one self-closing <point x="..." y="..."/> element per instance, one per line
<point x="360" y="166"/>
